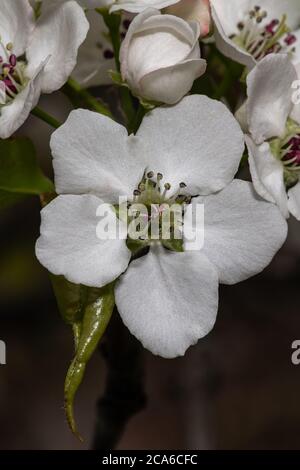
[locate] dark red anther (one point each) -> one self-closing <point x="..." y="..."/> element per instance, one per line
<point x="9" y="85"/>
<point x="270" y="27"/>
<point x="290" y="39"/>
<point x="13" y="60"/>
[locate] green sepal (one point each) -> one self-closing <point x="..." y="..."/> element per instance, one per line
<point x="174" y="245"/>
<point x="117" y="78"/>
<point x="97" y="307"/>
<point x="149" y="105"/>
<point x="70" y="299"/>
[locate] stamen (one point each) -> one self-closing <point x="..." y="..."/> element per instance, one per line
<point x="261" y="39"/>
<point x="287" y="150"/>
<point x="12" y="79"/>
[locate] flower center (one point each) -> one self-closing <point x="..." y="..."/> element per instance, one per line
<point x="287" y="150"/>
<point x="12" y="77"/>
<point x="262" y="39"/>
<point x="156" y="213"/>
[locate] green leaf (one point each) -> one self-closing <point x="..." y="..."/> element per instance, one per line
<point x="19" y="171"/>
<point x="96" y="307"/>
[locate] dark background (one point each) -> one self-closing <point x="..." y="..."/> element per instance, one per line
<point x="237" y="389"/>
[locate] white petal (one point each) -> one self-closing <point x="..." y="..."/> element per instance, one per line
<point x="231" y="13"/>
<point x="294" y="201"/>
<point x="197" y="142"/>
<point x="242" y="232"/>
<point x="267" y="174"/>
<point x="226" y="16"/>
<point x="92" y="155"/>
<point x="59" y="32"/>
<point x="276" y="9"/>
<point x="136" y="6"/>
<point x="15" y="113"/>
<point x="170" y="84"/>
<point x="295" y="114"/>
<point x="69" y="246"/>
<point x="296" y="54"/>
<point x="16" y="22"/>
<point x="198" y="11"/>
<point x="92" y="67"/>
<point x="168" y="300"/>
<point x="270" y="96"/>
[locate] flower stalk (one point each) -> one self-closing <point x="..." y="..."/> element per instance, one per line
<point x="46" y="117"/>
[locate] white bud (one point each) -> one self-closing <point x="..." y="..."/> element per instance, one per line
<point x="160" y="57"/>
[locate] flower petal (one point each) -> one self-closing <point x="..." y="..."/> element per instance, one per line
<point x="69" y="245"/>
<point x="59" y="32"/>
<point x="16" y="22"/>
<point x="92" y="155"/>
<point x="226" y="16"/>
<point x="267" y="175"/>
<point x="168" y="300"/>
<point x="270" y="96"/>
<point x="242" y="232"/>
<point x="294" y="201"/>
<point x="15" y="113"/>
<point x="92" y="65"/>
<point x="136" y="6"/>
<point x="296" y="54"/>
<point x="295" y="114"/>
<point x="290" y="8"/>
<point x="197" y="142"/>
<point x="169" y="84"/>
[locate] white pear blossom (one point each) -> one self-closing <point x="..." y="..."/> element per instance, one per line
<point x="248" y="30"/>
<point x="168" y="299"/>
<point x="160" y="56"/>
<point x="272" y="123"/>
<point x="35" y="57"/>
<point x="193" y="10"/>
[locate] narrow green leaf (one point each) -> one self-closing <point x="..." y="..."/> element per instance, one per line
<point x="98" y="307"/>
<point x="19" y="171"/>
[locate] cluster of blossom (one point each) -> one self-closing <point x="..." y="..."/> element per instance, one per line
<point x="187" y="148"/>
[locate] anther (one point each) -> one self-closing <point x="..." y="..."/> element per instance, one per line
<point x="13" y="60"/>
<point x="150" y="174"/>
<point x="182" y="185"/>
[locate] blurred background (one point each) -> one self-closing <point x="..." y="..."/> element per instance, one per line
<point x="237" y="389"/>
